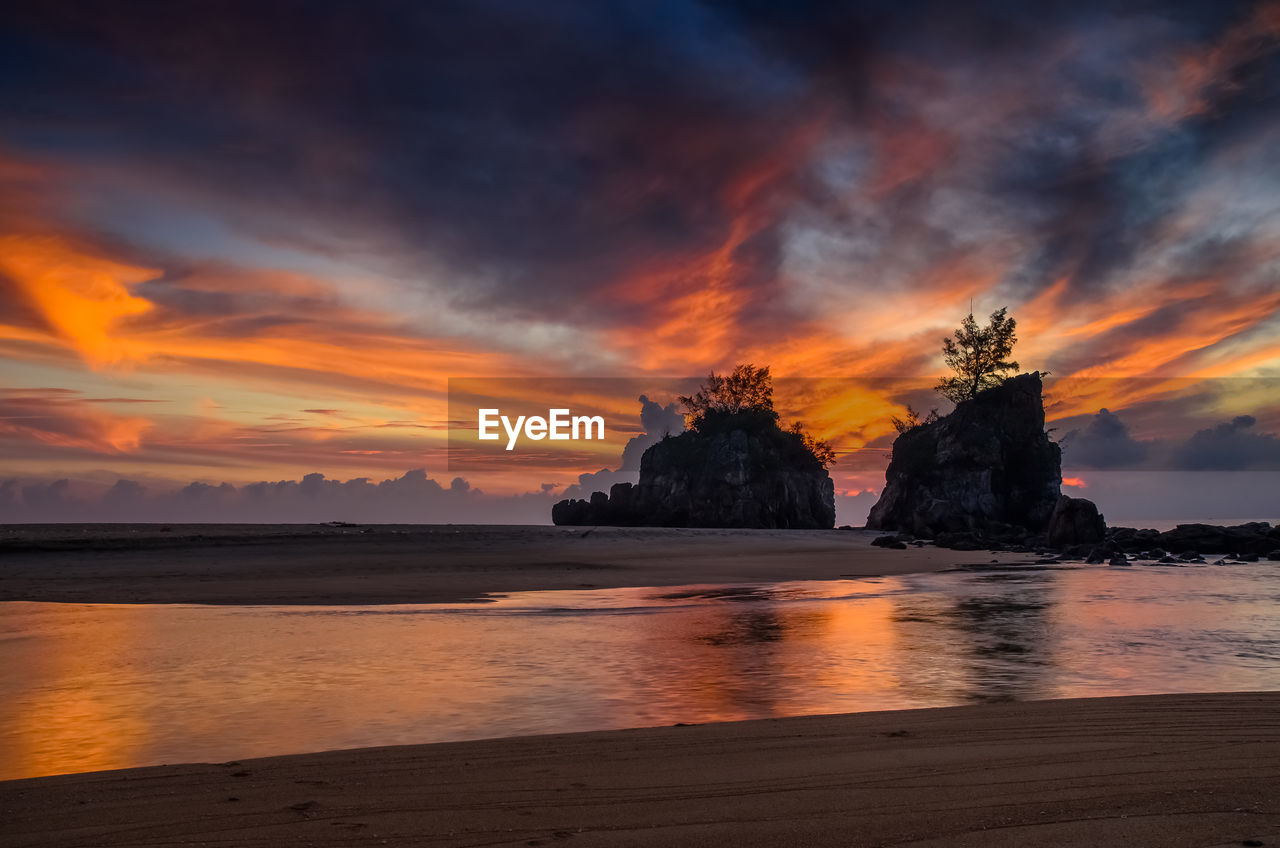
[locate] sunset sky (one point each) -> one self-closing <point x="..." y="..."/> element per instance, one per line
<point x="245" y="242"/>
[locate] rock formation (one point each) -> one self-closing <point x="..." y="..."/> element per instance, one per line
<point x="1252" y="540"/>
<point x="1075" y="521"/>
<point x="740" y="476"/>
<point x="987" y="470"/>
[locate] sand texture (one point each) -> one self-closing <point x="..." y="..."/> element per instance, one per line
<point x="1169" y="770"/>
<point x="380" y="564"/>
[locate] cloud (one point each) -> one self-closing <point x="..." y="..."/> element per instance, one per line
<point x="62" y="419"/>
<point x="658" y="421"/>
<point x="411" y="498"/>
<point x="82" y="299"/>
<point x="687" y="174"/>
<point x="1230" y="446"/>
<point x="1106" y="443"/>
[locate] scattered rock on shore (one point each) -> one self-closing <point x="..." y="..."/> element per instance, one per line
<point x="1254" y="539"/>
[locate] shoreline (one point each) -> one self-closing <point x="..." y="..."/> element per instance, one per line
<point x="325" y="565"/>
<point x="1173" y="770"/>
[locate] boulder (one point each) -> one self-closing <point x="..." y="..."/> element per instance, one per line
<point x="988" y="466"/>
<point x="1075" y="521"/>
<point x="963" y="541"/>
<point x="1097" y="555"/>
<point x="571" y="512"/>
<point x="1133" y="540"/>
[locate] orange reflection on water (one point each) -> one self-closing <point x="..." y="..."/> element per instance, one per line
<point x="72" y="716"/>
<point x="95" y="687"/>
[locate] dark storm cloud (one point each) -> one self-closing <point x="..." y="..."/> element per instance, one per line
<point x="1106" y="444"/>
<point x="565" y="141"/>
<point x="533" y="159"/>
<point x="1233" y="445"/>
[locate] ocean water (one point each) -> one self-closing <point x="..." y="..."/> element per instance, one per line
<point x="88" y="687"/>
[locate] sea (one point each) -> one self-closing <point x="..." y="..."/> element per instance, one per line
<point x="87" y="687"/>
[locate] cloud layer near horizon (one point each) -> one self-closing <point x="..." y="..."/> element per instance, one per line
<point x="412" y="498"/>
<point x="253" y="240"/>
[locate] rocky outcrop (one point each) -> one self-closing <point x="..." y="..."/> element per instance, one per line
<point x="1075" y="521"/>
<point x="1254" y="539"/>
<point x="758" y="476"/>
<point x="987" y="470"/>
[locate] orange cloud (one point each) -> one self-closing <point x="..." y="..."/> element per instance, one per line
<point x="690" y="308"/>
<point x="62" y="419"/>
<point x="84" y="300"/>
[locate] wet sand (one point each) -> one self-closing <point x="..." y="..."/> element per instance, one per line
<point x="1169" y="770"/>
<point x="385" y="564"/>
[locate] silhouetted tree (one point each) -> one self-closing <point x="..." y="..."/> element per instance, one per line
<point x="979" y="356"/>
<point x="820" y="449"/>
<point x="912" y="419"/>
<point x="748" y="389"/>
<point x="744" y="399"/>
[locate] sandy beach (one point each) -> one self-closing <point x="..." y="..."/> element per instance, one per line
<point x="383" y="564"/>
<point x="1188" y="770"/>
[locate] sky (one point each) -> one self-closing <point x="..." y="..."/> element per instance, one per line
<point x="244" y="247"/>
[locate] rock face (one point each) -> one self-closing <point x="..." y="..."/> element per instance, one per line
<point x="741" y="477"/>
<point x="1075" y="521"/>
<point x="988" y="468"/>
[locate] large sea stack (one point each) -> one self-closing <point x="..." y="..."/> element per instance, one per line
<point x="750" y="473"/>
<point x="987" y="469"/>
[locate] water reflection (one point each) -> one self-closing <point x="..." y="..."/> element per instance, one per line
<point x="91" y="687"/>
<point x="996" y="631"/>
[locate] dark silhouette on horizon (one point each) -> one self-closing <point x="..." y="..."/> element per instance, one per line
<point x="734" y="466"/>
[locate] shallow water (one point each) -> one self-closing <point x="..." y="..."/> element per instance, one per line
<point x="86" y="687"/>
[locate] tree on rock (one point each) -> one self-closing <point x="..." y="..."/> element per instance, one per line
<point x="979" y="356"/>
<point x="734" y="467"/>
<point x="744" y="400"/>
<point x="748" y="390"/>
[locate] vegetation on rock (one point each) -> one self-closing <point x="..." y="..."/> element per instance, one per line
<point x="743" y="400"/>
<point x="734" y="467"/>
<point x="979" y="356"/>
